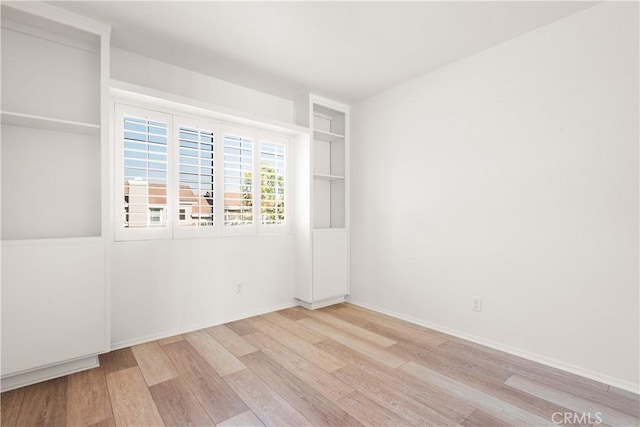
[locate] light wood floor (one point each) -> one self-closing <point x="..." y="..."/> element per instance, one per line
<point x="339" y="366"/>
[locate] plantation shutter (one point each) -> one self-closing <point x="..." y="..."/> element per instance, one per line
<point x="145" y="172"/>
<point x="196" y="182"/>
<point x="272" y="182"/>
<point x="238" y="180"/>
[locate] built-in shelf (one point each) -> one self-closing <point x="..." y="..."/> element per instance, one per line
<point x="321" y="135"/>
<point x="51" y="241"/>
<point x="321" y="227"/>
<point x="325" y="177"/>
<point x="40" y="122"/>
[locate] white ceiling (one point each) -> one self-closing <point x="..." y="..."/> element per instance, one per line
<point x="343" y="50"/>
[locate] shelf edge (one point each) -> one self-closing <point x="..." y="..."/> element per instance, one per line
<point x="325" y="177"/>
<point x="48" y="123"/>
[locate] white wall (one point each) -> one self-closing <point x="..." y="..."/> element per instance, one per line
<point x="143" y="71"/>
<point x="511" y="175"/>
<point x="164" y="287"/>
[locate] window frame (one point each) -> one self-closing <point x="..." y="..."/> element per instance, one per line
<point x="175" y="118"/>
<point x="123" y="233"/>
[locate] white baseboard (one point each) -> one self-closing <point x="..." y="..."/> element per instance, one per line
<point x="195" y="327"/>
<point x="324" y="303"/>
<point x="48" y="373"/>
<point x="554" y="363"/>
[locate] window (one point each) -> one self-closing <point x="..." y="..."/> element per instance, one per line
<point x="272" y="182"/>
<point x="143" y="167"/>
<point x="157" y="216"/>
<point x="238" y="180"/>
<point x="145" y="170"/>
<point x="196" y="167"/>
<point x="199" y="179"/>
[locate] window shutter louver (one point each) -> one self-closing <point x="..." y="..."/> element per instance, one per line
<point x="238" y="180"/>
<point x="196" y="171"/>
<point x="272" y="182"/>
<point x="145" y="173"/>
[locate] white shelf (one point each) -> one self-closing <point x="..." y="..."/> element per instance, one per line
<point x="51" y="241"/>
<point x="40" y="122"/>
<point x="325" y="177"/>
<point x="321" y="135"/>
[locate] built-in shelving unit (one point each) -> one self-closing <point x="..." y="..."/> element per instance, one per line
<point x="55" y="74"/>
<point x="51" y="121"/>
<point x="323" y="250"/>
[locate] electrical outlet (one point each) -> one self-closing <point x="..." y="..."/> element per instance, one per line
<point x="477" y="304"/>
<point x="238" y="288"/>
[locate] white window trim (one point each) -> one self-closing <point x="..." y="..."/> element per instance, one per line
<point x="175" y="117"/>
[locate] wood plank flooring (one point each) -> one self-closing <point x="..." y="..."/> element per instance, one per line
<point x="338" y="366"/>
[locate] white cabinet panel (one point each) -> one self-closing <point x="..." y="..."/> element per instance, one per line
<point x="330" y="257"/>
<point x="53" y="305"/>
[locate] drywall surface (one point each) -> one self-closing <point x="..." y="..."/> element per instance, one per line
<point x="140" y="70"/>
<point x="164" y="287"/>
<point x="511" y="176"/>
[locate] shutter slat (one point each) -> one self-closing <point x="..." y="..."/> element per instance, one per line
<point x="195" y="179"/>
<point x="238" y="180"/>
<point x="145" y="173"/>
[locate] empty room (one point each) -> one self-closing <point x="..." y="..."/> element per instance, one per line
<point x="331" y="213"/>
